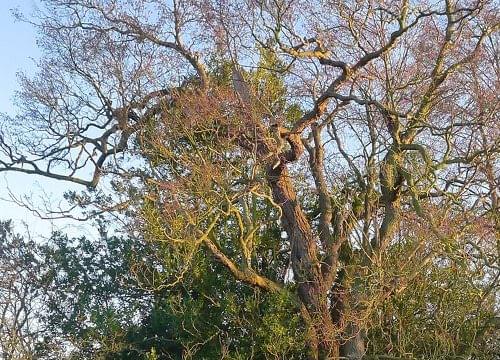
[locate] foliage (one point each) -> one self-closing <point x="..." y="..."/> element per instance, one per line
<point x="294" y="179"/>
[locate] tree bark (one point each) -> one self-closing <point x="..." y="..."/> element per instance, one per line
<point x="352" y="345"/>
<point x="312" y="289"/>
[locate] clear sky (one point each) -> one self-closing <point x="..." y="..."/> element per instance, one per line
<point x="18" y="52"/>
<point x="17" y="49"/>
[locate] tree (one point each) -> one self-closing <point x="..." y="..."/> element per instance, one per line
<point x="359" y="129"/>
<point x="19" y="265"/>
<point x="91" y="298"/>
<point x="112" y="298"/>
<point x="107" y="298"/>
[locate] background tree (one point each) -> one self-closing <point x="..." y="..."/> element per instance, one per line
<point x="364" y="132"/>
<point x="117" y="298"/>
<point x="19" y="266"/>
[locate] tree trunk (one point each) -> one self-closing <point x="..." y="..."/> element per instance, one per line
<point x="312" y="289"/>
<point x="354" y="347"/>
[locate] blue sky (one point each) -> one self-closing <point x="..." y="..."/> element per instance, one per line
<point x="18" y="52"/>
<point x="17" y="49"/>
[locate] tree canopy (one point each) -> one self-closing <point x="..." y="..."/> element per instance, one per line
<point x="291" y="179"/>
